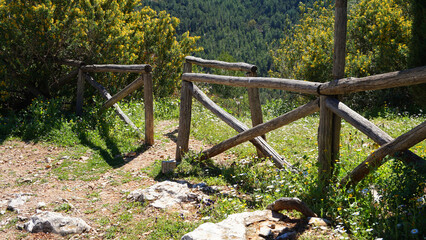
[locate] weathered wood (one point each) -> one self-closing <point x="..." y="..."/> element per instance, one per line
<point x="374" y="160"/>
<point x="255" y="82"/>
<point x="64" y="80"/>
<point x="255" y="109"/>
<point x="149" y="108"/>
<point x="168" y="166"/>
<point x="371" y="130"/>
<point x="80" y="93"/>
<point x="70" y="62"/>
<point x="330" y="124"/>
<point x="325" y="143"/>
<point x="340" y="22"/>
<point x="286" y="203"/>
<point x="258" y="142"/>
<point x="124" y="92"/>
<point x="140" y="68"/>
<point x="104" y="93"/>
<point x="236" y="66"/>
<point x="263" y="128"/>
<point x="182" y="144"/>
<point x="375" y="82"/>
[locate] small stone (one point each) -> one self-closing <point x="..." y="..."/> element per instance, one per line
<point x="84" y="158"/>
<point x="265" y="232"/>
<point x="19" y="200"/>
<point x="2" y="212"/>
<point x="314" y="221"/>
<point x="56" y="223"/>
<point x="47" y="160"/>
<point x="271" y="226"/>
<point x="41" y="205"/>
<point x="64" y="157"/>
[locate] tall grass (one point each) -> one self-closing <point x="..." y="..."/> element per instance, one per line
<point x="389" y="203"/>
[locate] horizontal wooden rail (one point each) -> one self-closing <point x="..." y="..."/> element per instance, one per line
<point x="255" y="82"/>
<point x="124" y="92"/>
<point x="258" y="142"/>
<point x="237" y="66"/>
<point x="374" y="160"/>
<point x="70" y="62"/>
<point x="263" y="128"/>
<point x="375" y="82"/>
<point x="371" y="130"/>
<point x="140" y="68"/>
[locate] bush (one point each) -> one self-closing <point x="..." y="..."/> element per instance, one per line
<point x="377" y="42"/>
<point x="34" y="34"/>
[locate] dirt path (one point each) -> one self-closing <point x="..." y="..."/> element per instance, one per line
<point x="26" y="168"/>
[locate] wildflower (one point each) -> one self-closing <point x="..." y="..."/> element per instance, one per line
<point x="414" y="231"/>
<point x="364" y="191"/>
<point x="355" y="214"/>
<point x="369" y="230"/>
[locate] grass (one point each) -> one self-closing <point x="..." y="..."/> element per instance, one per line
<point x="247" y="182"/>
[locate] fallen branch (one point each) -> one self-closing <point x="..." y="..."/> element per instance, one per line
<point x="286" y="203"/>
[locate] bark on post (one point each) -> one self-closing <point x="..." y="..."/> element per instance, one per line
<point x="149" y="109"/>
<point x="80" y="93"/>
<point x="330" y="123"/>
<point x="255" y="109"/>
<point x="184" y="116"/>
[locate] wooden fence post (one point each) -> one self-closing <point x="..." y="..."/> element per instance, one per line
<point x="184" y="115"/>
<point x="255" y="109"/>
<point x="330" y="123"/>
<point x="149" y="109"/>
<point x="80" y="93"/>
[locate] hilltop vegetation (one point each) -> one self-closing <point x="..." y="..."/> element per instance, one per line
<point x="246" y="30"/>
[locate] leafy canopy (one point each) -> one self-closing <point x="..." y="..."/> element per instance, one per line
<point x="377" y="41"/>
<point x="35" y="33"/>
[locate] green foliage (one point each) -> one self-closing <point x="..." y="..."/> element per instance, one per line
<point x="377" y="42"/>
<point x="243" y="29"/>
<point x="33" y="34"/>
<point x="418" y="47"/>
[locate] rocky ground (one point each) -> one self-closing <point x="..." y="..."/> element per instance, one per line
<point x="26" y="172"/>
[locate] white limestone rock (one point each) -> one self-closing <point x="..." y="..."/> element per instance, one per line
<point x="234" y="227"/>
<point x="51" y="222"/>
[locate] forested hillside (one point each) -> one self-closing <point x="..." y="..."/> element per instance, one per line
<point x="234" y="30"/>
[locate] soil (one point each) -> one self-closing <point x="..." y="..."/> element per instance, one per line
<point x="25" y="168"/>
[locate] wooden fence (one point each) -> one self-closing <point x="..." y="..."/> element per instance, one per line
<point x="325" y="103"/>
<point x="331" y="110"/>
<point x="111" y="101"/>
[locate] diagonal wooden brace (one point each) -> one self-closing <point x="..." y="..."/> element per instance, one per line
<point x="258" y="142"/>
<point x="371" y="130"/>
<point x="374" y="160"/>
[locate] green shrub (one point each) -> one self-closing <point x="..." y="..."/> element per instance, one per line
<point x="34" y="34"/>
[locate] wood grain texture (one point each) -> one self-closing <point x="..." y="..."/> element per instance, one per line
<point x="236" y="66"/>
<point x="255" y="82"/>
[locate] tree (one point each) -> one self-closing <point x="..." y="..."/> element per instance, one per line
<point x="34" y="34"/>
<point x="377" y="42"/>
